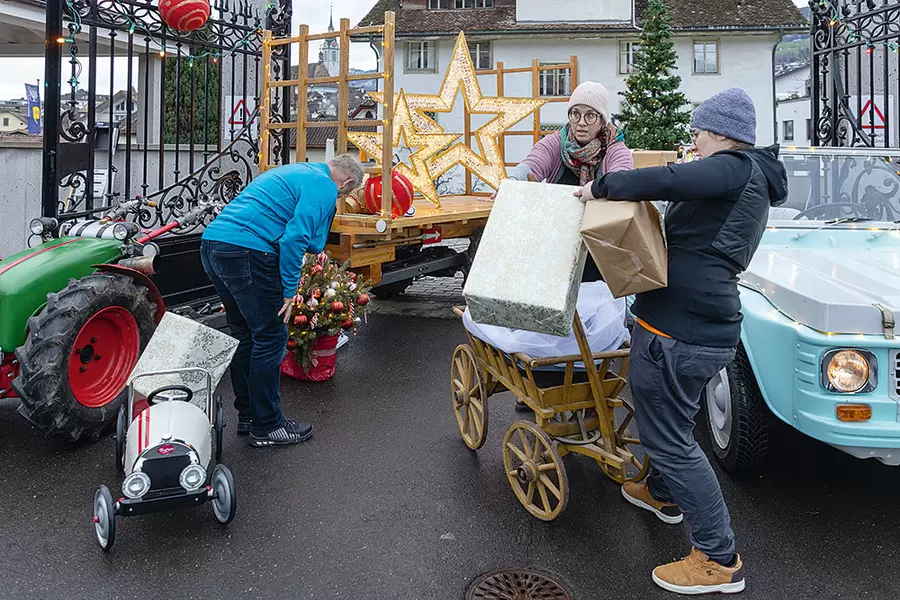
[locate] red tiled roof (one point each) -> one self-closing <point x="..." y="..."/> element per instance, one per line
<point x="684" y="14"/>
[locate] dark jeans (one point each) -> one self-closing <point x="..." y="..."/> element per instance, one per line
<point x="249" y="285"/>
<point x="666" y="378"/>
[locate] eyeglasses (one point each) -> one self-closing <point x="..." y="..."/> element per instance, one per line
<point x="590" y="118"/>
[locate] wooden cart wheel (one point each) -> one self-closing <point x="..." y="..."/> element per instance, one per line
<point x="639" y="465"/>
<point x="535" y="470"/>
<point x="470" y="404"/>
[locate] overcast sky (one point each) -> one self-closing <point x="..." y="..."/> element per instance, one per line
<point x="15" y="72"/>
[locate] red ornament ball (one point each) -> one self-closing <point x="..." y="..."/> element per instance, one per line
<point x="300" y="320"/>
<point x="402" y="195"/>
<point x="317" y="269"/>
<point x="291" y="345"/>
<point x="184" y="15"/>
<point x="337" y="306"/>
<point x="347" y="324"/>
<point x="363" y="299"/>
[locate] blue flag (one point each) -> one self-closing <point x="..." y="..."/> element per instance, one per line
<point x="34" y="108"/>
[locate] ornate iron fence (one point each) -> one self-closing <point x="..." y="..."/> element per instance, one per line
<point x="856" y="72"/>
<point x="177" y="150"/>
<point x="133" y="122"/>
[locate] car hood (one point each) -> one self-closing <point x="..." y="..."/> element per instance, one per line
<point x="833" y="290"/>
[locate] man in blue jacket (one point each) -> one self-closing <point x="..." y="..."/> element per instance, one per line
<point x="253" y="253"/>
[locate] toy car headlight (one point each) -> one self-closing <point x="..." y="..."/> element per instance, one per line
<point x="192" y="477"/>
<point x="136" y="485"/>
<point x="848" y="371"/>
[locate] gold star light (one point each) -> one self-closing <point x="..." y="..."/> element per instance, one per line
<point x="426" y="145"/>
<point x="460" y="76"/>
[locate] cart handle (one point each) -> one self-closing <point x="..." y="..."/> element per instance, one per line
<point x="544" y="362"/>
<point x="171" y="388"/>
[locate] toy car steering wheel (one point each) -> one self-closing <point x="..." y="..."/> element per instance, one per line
<point x="189" y="393"/>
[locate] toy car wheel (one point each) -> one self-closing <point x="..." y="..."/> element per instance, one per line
<point x="121" y="428"/>
<point x="737" y="418"/>
<point x="220" y="428"/>
<point x="224" y="502"/>
<point x="104" y="518"/>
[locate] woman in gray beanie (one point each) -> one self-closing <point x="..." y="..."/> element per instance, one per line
<point x="687" y="332"/>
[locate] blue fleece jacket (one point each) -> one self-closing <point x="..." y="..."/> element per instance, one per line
<point x="287" y="210"/>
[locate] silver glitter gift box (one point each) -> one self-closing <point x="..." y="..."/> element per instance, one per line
<point x="530" y="260"/>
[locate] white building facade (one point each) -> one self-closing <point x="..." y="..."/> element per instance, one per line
<point x="715" y="50"/>
<point x="795" y="124"/>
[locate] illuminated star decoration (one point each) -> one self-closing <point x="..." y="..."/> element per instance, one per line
<point x="426" y="145"/>
<point x="460" y="76"/>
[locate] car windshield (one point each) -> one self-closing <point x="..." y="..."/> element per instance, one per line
<point x="840" y="185"/>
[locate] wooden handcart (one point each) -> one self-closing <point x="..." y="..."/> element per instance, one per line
<point x="576" y="410"/>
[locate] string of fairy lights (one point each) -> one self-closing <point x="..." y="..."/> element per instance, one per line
<point x="75" y="27"/>
<point x="837" y="22"/>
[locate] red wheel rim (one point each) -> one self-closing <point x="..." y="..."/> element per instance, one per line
<point x="103" y="356"/>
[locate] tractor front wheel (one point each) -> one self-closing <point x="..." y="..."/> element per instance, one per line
<point x="80" y="352"/>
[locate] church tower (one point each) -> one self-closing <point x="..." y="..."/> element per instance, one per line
<point x="330" y="52"/>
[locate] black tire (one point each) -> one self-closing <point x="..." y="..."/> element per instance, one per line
<point x="43" y="385"/>
<point x="121" y="430"/>
<point x="471" y="251"/>
<point x="224" y="503"/>
<point x="220" y="428"/>
<point x="104" y="518"/>
<point x="747" y="445"/>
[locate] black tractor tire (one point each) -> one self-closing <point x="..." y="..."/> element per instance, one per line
<point x="746" y="450"/>
<point x="48" y="400"/>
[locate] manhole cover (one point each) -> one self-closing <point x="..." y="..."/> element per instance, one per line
<point x="518" y="584"/>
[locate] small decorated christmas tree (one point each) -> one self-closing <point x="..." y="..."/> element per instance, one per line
<point x="653" y="115"/>
<point x="330" y="298"/>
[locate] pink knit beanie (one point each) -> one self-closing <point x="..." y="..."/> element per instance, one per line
<point x="593" y="95"/>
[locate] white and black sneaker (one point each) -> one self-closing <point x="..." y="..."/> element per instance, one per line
<point x="291" y="432"/>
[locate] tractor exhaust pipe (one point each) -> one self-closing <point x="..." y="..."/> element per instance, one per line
<point x="148" y="265"/>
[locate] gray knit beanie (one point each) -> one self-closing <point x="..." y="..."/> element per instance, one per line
<point x="730" y="113"/>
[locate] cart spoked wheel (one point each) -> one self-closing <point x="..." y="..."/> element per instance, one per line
<point x="79" y="352"/>
<point x="637" y="468"/>
<point x="121" y="429"/>
<point x="224" y="502"/>
<point x="104" y="518"/>
<point x="470" y="404"/>
<point x="220" y="427"/>
<point x="535" y="470"/>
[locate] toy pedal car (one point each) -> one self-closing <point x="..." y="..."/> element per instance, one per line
<point x="166" y="454"/>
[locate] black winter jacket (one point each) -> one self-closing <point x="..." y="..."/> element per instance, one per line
<point x="717" y="213"/>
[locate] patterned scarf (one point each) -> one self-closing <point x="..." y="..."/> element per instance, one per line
<point x="584" y="160"/>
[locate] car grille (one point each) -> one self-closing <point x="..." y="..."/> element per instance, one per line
<point x="165" y="471"/>
<point x="895" y="373"/>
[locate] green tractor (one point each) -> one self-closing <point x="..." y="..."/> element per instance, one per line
<point x="76" y="312"/>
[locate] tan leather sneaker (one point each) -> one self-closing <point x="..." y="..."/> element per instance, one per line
<point x="697" y="574"/>
<point x="639" y="495"/>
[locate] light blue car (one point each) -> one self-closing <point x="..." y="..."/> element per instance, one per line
<point x="817" y="347"/>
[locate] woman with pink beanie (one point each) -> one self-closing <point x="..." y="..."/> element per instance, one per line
<point x="587" y="147"/>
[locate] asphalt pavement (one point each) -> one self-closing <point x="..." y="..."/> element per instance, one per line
<point x="385" y="502"/>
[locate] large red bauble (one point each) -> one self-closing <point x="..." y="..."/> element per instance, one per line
<point x="337" y="306"/>
<point x="291" y="344"/>
<point x="363" y="299"/>
<point x="184" y="15"/>
<point x="402" y="193"/>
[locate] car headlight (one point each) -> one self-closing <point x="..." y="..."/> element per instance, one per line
<point x="848" y="371"/>
<point x="136" y="485"/>
<point x="192" y="477"/>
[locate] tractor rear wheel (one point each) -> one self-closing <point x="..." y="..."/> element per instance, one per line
<point x="80" y="352"/>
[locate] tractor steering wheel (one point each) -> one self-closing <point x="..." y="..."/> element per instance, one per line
<point x="171" y="388"/>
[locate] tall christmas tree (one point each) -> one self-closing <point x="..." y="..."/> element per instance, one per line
<point x="653" y="115"/>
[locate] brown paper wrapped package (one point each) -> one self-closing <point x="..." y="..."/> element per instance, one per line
<point x="626" y="241"/>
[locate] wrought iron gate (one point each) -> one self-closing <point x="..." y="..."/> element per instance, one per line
<point x="856" y="72"/>
<point x="158" y="140"/>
